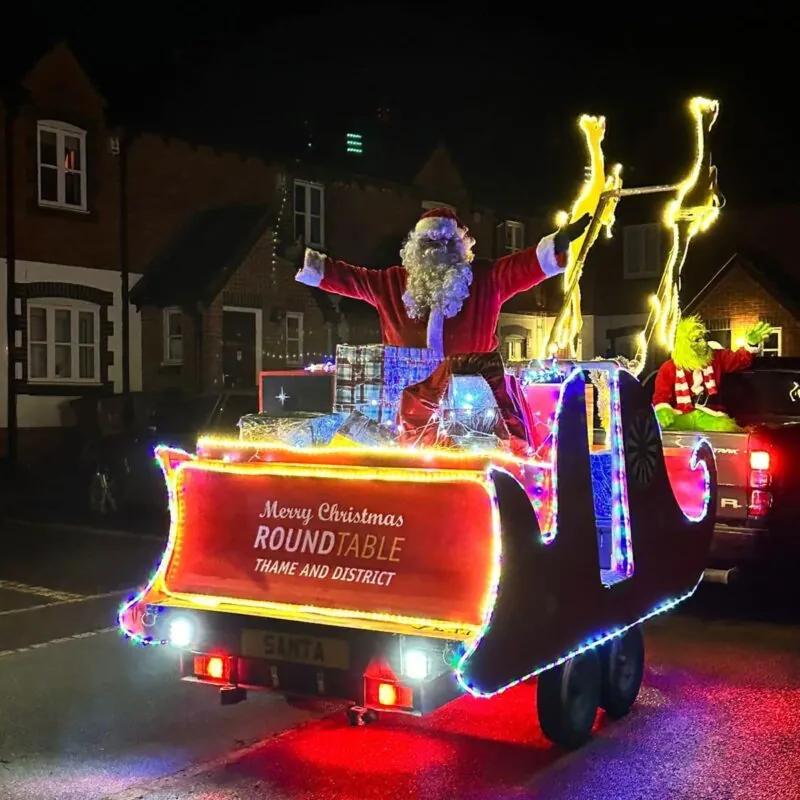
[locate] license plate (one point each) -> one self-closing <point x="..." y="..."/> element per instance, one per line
<point x="296" y="649"/>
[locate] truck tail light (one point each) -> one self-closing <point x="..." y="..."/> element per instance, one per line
<point x="760" y="502"/>
<point x="760" y="482"/>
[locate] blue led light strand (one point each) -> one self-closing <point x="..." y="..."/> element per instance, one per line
<point x="589" y="644"/>
<point x="138" y="638"/>
<point x="694" y="463"/>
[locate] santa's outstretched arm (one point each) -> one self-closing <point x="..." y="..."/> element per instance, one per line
<point x="339" y="277"/>
<point x="525" y="269"/>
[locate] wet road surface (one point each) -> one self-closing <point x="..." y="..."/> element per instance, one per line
<point x="87" y="715"/>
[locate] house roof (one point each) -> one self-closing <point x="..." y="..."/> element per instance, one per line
<point x="762" y="269"/>
<point x="201" y="257"/>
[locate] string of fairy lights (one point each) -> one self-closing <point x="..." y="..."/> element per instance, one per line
<point x="282" y="353"/>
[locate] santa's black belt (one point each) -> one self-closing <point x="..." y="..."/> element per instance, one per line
<point x="489" y="365"/>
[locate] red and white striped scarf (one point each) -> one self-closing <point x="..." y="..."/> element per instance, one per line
<point x="701" y="379"/>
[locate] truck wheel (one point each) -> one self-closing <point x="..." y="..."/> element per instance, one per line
<point x="567" y="698"/>
<point x="622" y="663"/>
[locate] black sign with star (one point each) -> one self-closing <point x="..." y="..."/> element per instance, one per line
<point x="283" y="393"/>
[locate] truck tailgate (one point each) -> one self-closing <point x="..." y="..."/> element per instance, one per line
<point x="732" y="454"/>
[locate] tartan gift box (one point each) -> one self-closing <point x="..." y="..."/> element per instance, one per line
<point x="372" y="377"/>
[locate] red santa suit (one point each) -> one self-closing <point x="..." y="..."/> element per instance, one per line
<point x="470" y="331"/>
<point x="681" y="389"/>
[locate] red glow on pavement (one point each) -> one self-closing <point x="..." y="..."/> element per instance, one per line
<point x="711" y="727"/>
<point x="496" y="742"/>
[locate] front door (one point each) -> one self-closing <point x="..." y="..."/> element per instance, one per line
<point x="239" y="349"/>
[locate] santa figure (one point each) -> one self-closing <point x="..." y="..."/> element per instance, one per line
<point x="442" y="298"/>
<point x="686" y="392"/>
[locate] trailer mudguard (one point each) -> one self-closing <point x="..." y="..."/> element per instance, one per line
<point x="553" y="600"/>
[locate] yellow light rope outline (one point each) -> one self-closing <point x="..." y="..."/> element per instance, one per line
<point x="684" y="222"/>
<point x="596" y="197"/>
<point x="333" y="616"/>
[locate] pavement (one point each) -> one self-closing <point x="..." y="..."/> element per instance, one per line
<point x="85" y="715"/>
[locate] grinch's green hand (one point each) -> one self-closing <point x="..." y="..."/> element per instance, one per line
<point x="666" y="416"/>
<point x="758" y="333"/>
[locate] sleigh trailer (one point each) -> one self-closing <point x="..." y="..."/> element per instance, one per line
<point x="399" y="579"/>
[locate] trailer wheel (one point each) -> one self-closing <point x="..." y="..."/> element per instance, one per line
<point x="567" y="698"/>
<point x="622" y="662"/>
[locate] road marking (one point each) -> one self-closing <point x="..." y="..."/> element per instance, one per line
<point x="90" y="529"/>
<point x="41" y="591"/>
<point x="40" y="645"/>
<point x="76" y="599"/>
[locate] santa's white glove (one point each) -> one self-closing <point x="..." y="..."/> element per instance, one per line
<point x="313" y="270"/>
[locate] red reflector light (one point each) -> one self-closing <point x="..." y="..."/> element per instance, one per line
<point x="387" y="694"/>
<point x="760" y="502"/>
<point x="215" y="668"/>
<point x="382" y="693"/>
<point x="759" y="459"/>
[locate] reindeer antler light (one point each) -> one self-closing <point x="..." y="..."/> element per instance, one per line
<point x="598" y="196"/>
<point x="694" y="209"/>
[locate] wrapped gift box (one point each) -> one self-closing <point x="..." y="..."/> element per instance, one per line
<point x="294" y="430"/>
<point x="371" y="378"/>
<point x="360" y="430"/>
<point x="469" y="407"/>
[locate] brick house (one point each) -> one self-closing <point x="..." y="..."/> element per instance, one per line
<point x="144" y="263"/>
<point x="62" y="319"/>
<point x="746" y="271"/>
<point x="742" y="270"/>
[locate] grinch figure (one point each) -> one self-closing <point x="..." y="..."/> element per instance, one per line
<point x="686" y="394"/>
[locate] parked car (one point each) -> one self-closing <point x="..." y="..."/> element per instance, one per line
<point x="122" y="472"/>
<point x="757" y="533"/>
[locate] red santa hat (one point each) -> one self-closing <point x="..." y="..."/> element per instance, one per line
<point x="441" y="221"/>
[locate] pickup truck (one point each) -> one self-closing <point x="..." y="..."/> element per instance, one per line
<point x="757" y="532"/>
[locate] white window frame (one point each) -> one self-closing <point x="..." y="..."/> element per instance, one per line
<point x="518" y="236"/>
<point x="637" y="261"/>
<point x="298" y="315"/>
<point x="74" y="307"/>
<point x="61" y="130"/>
<point x="515" y="345"/>
<point x="774" y="351"/>
<point x="168" y="313"/>
<point x="307" y="187"/>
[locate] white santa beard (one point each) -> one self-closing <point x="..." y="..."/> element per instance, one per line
<point x="436" y="287"/>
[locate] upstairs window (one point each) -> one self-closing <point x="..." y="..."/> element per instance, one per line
<point x="309" y="213"/>
<point x="515" y="236"/>
<point x="643" y="255"/>
<point x="61" y="150"/>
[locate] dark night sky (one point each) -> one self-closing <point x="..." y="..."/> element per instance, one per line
<point x="503" y="90"/>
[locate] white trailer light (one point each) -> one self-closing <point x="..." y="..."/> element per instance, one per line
<point x="181" y="632"/>
<point x="415" y="664"/>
